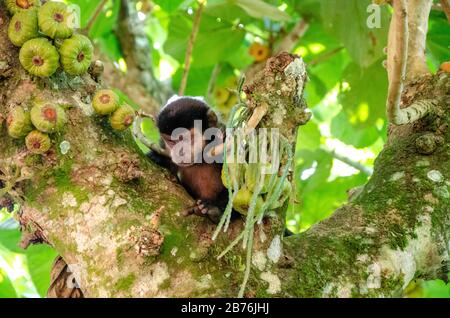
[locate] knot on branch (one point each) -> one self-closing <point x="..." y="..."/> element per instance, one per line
<point x="279" y="88"/>
<point x="127" y="168"/>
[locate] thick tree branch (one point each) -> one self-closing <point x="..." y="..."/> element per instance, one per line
<point x="406" y="58"/>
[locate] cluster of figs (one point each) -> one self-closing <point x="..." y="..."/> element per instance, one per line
<point x="43" y="119"/>
<point x="47" y="39"/>
<point x="36" y="124"/>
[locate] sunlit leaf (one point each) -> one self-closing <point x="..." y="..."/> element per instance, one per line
<point x="347" y="20"/>
<point x="6" y="288"/>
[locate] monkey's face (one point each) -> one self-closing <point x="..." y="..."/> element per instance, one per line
<point x="185" y="146"/>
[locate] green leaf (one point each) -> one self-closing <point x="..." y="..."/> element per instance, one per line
<point x="227" y="11"/>
<point x="198" y="80"/>
<point x="10" y="238"/>
<point x="438" y="40"/>
<point x="259" y="9"/>
<point x="436" y="289"/>
<point x="170" y="5"/>
<point x="6" y="287"/>
<point x="308" y="136"/>
<point x="106" y="23"/>
<point x="40" y="260"/>
<point x="208" y="50"/>
<point x="365" y="99"/>
<point x="348" y="21"/>
<point x="353" y="133"/>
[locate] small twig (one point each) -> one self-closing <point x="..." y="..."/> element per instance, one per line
<point x="190" y="46"/>
<point x="289" y="41"/>
<point x="95" y="16"/>
<point x="212" y="81"/>
<point x="358" y="166"/>
<point x="445" y="5"/>
<point x="325" y="56"/>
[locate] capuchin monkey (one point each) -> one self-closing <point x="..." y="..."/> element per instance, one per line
<point x="184" y="124"/>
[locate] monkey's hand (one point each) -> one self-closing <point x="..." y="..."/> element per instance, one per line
<point x="206" y="209"/>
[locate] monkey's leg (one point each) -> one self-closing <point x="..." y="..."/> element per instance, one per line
<point x="205" y="208"/>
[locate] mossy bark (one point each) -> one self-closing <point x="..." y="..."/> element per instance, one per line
<point x="116" y="218"/>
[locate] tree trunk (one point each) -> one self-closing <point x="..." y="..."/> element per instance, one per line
<point x="116" y="218"/>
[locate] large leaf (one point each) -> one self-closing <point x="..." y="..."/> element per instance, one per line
<point x="259" y="9"/>
<point x="10" y="239"/>
<point x="208" y="49"/>
<point x="438" y="40"/>
<point x="348" y="21"/>
<point x="198" y="79"/>
<point x="6" y="288"/>
<point x="365" y="99"/>
<point x="40" y="259"/>
<point x="106" y="23"/>
<point x="171" y="5"/>
<point x="353" y="133"/>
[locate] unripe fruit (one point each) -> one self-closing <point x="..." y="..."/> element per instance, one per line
<point x="39" y="57"/>
<point x="23" y="27"/>
<point x="259" y="52"/>
<point x="38" y="142"/>
<point x="252" y="178"/>
<point x="76" y="54"/>
<point x="56" y="20"/>
<point x="105" y="102"/>
<point x="285" y="193"/>
<point x="242" y="201"/>
<point x="18" y="123"/>
<point x="231" y="101"/>
<point x="231" y="82"/>
<point x="15" y="6"/>
<point x="221" y="95"/>
<point x="122" y="118"/>
<point x="47" y="117"/>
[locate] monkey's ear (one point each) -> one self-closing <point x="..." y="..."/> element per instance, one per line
<point x="213" y="119"/>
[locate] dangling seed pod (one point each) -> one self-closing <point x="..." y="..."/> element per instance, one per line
<point x="56" y="20"/>
<point x="76" y="54"/>
<point x="23" y="27"/>
<point x="122" y="118"/>
<point x="15" y="6"/>
<point x="18" y="123"/>
<point x="47" y="117"/>
<point x="105" y="102"/>
<point x="38" y="142"/>
<point x="39" y="57"/>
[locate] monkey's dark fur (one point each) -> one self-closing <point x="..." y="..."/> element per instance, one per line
<point x="202" y="180"/>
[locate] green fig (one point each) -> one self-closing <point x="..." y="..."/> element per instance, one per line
<point x="105" y="102"/>
<point x="18" y="123"/>
<point x="56" y="20"/>
<point x="23" y="27"/>
<point x="39" y="57"/>
<point x="242" y="201"/>
<point x="76" y="54"/>
<point x="122" y="118"/>
<point x="15" y="6"/>
<point x="38" y="142"/>
<point x="47" y="117"/>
